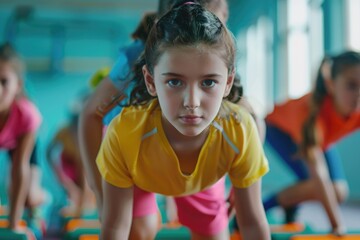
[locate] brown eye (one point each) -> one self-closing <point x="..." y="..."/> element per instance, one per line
<point x="351" y="85"/>
<point x="3" y="81"/>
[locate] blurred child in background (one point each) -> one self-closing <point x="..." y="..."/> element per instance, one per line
<point x="19" y="123"/>
<point x="64" y="158"/>
<point x="303" y="131"/>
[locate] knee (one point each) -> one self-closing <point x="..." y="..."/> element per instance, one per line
<point x="144" y="228"/>
<point x="341" y="191"/>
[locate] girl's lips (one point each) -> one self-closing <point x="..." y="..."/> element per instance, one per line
<point x="190" y="119"/>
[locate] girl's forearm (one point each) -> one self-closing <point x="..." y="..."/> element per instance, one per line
<point x="20" y="177"/>
<point x="90" y="135"/>
<point x="328" y="199"/>
<point x="326" y="193"/>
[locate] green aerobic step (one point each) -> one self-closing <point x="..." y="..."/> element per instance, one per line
<point x="181" y="233"/>
<point x="74" y="235"/>
<point x="7" y="234"/>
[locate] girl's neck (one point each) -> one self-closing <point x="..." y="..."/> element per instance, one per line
<point x="187" y="149"/>
<point x="4" y="115"/>
<point x="180" y="142"/>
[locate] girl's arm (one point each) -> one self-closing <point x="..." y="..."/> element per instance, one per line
<point x="20" y="177"/>
<point x="117" y="212"/>
<point x="326" y="192"/>
<point x="250" y="213"/>
<point x="81" y="187"/>
<point x="90" y="134"/>
<point x="53" y="153"/>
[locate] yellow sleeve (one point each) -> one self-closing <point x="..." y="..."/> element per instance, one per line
<point x="110" y="160"/>
<point x="251" y="163"/>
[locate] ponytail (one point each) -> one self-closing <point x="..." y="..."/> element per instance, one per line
<point x="330" y="68"/>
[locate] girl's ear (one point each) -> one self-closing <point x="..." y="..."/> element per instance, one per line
<point x="229" y="83"/>
<point x="326" y="74"/>
<point x="149" y="81"/>
<point x="329" y="85"/>
<point x="19" y="87"/>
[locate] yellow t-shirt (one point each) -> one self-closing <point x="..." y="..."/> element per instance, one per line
<point x="135" y="151"/>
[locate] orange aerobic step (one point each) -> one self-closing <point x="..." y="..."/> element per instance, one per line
<point x="89" y="237"/>
<point x="235" y="236"/>
<point x="3" y="211"/>
<point x="287" y="228"/>
<point x="81" y="223"/>
<point x="4" y="223"/>
<point x="325" y="237"/>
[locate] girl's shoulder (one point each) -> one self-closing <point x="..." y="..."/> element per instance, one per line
<point x="230" y="110"/>
<point x="27" y="113"/>
<point x="235" y="117"/>
<point x="26" y="108"/>
<point x="236" y="125"/>
<point x="130" y="116"/>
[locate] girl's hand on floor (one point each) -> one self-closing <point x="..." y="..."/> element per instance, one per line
<point x="339" y="231"/>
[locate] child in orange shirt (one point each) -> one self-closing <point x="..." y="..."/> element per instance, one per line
<point x="303" y="131"/>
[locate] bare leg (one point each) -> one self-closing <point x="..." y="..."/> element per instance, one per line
<point x="144" y="228"/>
<point x="224" y="235"/>
<point x="341" y="190"/>
<point x="36" y="195"/>
<point x="306" y="190"/>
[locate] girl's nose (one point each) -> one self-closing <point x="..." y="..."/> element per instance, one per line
<point x="192" y="98"/>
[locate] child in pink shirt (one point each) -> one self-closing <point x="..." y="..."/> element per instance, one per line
<point x="19" y="122"/>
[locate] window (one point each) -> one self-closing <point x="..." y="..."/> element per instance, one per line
<point x="352" y="22"/>
<point x="255" y="64"/>
<point x="301" y="41"/>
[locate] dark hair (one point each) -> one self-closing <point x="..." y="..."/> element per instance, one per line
<point x="166" y="5"/>
<point x="337" y="65"/>
<point x="184" y="25"/>
<point x="144" y="27"/>
<point x="8" y="54"/>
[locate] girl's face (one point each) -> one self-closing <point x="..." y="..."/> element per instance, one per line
<point x="9" y="85"/>
<point x="190" y="84"/>
<point x="346" y="91"/>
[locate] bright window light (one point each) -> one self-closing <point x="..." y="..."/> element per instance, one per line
<point x="353" y="20"/>
<point x="299" y="79"/>
<point x="298" y="48"/>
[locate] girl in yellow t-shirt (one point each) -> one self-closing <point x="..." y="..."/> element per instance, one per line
<point x="179" y="135"/>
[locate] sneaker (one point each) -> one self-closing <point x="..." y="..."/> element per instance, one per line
<point x="291" y="214"/>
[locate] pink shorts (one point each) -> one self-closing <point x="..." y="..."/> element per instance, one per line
<point x="204" y="213"/>
<point x="144" y="203"/>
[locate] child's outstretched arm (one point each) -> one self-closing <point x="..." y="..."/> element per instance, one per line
<point x="326" y="192"/>
<point x="20" y="177"/>
<point x="250" y="213"/>
<point x="90" y="134"/>
<point x="117" y="212"/>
